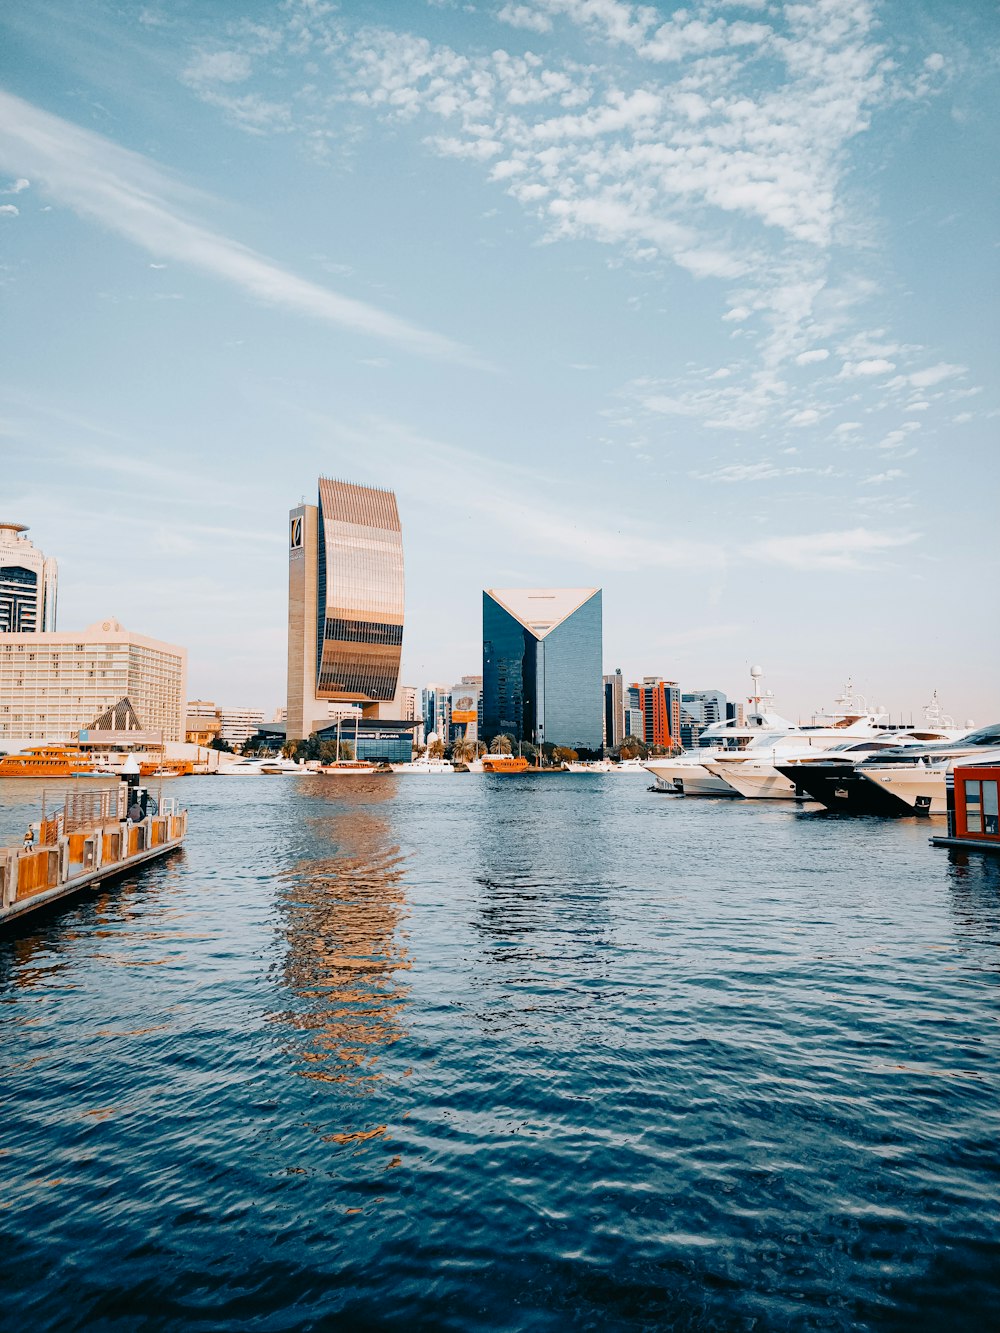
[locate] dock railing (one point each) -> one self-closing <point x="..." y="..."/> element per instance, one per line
<point x="90" y="833"/>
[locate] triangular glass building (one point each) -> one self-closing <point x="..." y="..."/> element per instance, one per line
<point x="542" y="666"/>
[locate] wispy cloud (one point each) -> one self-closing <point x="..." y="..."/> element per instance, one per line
<point x="828" y="551"/>
<point x="128" y="194"/>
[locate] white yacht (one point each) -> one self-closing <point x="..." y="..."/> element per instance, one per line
<point x="687" y="775"/>
<point x="424" y="764"/>
<point x="759" y="772"/>
<point x="905" y="781"/>
<point x="281" y="766"/>
<point x="242" y="768"/>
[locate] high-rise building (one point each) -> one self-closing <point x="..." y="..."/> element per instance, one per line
<point x="435" y="707"/>
<point x="53" y="686"/>
<point x="660" y="704"/>
<point x="466" y="708"/>
<point x="700" y="709"/>
<point x="28" y="584"/>
<point x="614" y="709"/>
<point x="345" y="604"/>
<point x="542" y="650"/>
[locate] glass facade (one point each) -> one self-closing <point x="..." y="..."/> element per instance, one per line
<point x="378" y="743"/>
<point x="28" y="583"/>
<point x="18" y="600"/>
<point x="544" y="684"/>
<point x="359" y="623"/>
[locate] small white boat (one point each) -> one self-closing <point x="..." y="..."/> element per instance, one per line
<point x="350" y="768"/>
<point x="424" y="765"/>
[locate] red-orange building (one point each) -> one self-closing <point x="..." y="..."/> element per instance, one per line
<point x="973" y="807"/>
<point x="660" y="703"/>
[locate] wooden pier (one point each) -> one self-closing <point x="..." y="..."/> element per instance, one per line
<point x="90" y="839"/>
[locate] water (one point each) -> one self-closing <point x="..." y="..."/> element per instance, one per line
<point x="505" y="1053"/>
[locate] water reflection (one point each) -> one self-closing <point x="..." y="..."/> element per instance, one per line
<point x="974" y="882"/>
<point x="344" y="955"/>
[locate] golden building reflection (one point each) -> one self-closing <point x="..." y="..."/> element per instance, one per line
<point x="345" y="956"/>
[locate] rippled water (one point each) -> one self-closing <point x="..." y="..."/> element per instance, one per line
<point x="502" y="1053"/>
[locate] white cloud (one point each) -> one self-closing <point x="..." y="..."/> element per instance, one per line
<point x="523" y="16"/>
<point x="814" y="355"/>
<point x="892" y="474"/>
<point x="219" y="67"/>
<point x="926" y="379"/>
<point x="737" y="314"/>
<point x="877" y="365"/>
<point x="762" y="471"/>
<point x="18" y="187"/>
<point x="9" y="211"/>
<point x="127" y="193"/>
<point x="807" y="417"/>
<point x="827" y="551"/>
<point x="934" y="62"/>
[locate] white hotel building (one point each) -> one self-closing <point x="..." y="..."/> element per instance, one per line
<point x="54" y="685"/>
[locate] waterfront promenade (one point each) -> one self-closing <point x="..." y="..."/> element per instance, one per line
<point x="505" y="1054"/>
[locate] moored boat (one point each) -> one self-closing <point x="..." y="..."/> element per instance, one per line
<point x="503" y="763"/>
<point x="49" y="761"/>
<point x="905" y="780"/>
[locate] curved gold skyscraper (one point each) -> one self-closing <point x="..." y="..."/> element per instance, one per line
<point x="345" y="603"/>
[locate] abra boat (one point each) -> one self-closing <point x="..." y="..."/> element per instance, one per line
<point x="502" y="763"/>
<point x="49" y="761"/>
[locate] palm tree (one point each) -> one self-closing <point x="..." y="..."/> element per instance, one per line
<point x="500" y="745"/>
<point x="463" y="750"/>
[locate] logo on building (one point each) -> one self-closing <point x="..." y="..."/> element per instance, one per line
<point x="296" y="533"/>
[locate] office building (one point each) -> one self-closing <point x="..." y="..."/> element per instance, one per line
<point x="345" y="604"/>
<point x="28" y="584"/>
<point x="660" y="705"/>
<point x="542" y="654"/>
<point x="614" y="710"/>
<point x="54" y="686"/>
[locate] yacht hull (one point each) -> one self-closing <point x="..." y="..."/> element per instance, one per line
<point x="763" y="784"/>
<point x="846" y="790"/>
<point x="690" y="780"/>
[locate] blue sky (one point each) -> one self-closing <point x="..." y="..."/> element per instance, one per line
<point x="698" y="305"/>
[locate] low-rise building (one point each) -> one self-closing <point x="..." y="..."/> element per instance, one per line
<point x="53" y="685"/>
<point x="203" y="722"/>
<point x="239" y="724"/>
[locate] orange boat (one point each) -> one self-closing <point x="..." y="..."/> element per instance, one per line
<point x="48" y="761"/>
<point x="169" y="768"/>
<point x="504" y="763"/>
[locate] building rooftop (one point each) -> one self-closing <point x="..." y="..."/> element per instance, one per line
<point x="541" y="609"/>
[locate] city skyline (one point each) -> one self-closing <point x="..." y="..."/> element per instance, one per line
<point x="694" y="308"/>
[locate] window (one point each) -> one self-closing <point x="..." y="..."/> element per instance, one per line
<point x="973" y="807"/>
<point x="991" y="816"/>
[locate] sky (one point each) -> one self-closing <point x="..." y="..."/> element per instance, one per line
<point x="698" y="305"/>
